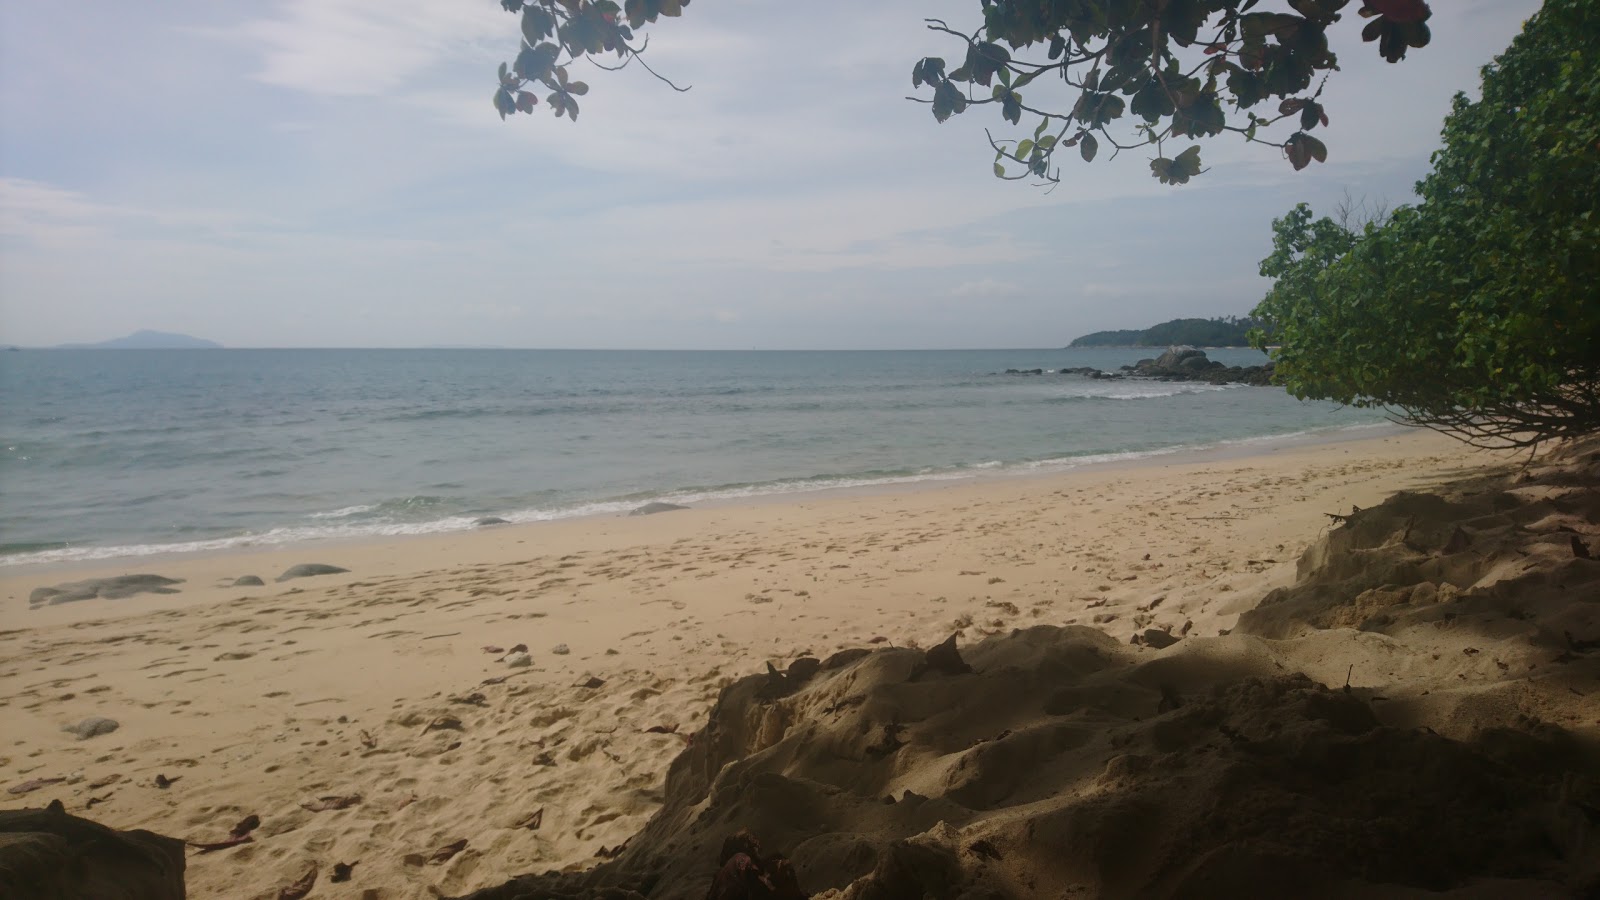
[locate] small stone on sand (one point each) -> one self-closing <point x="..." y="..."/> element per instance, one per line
<point x="92" y="727"/>
<point x="305" y="570"/>
<point x="103" y="588"/>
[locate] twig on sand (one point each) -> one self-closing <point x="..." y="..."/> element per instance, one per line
<point x="432" y="636"/>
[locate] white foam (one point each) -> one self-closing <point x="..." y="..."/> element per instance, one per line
<point x="344" y="512"/>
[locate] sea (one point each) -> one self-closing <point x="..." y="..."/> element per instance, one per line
<point x="126" y="453"/>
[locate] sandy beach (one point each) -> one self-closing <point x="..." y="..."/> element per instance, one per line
<point x="374" y="717"/>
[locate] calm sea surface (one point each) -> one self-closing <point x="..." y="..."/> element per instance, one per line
<point x="116" y="453"/>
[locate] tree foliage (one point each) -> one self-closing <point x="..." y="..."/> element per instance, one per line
<point x="1476" y="311"/>
<point x="1114" y="73"/>
<point x="557" y="33"/>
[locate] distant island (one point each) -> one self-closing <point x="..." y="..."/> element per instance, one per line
<point x="1227" y="331"/>
<point x="148" y="340"/>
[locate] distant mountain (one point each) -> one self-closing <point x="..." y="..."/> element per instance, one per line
<point x="148" y="340"/>
<point x="1220" y="332"/>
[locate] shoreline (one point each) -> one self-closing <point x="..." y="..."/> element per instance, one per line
<point x="259" y="701"/>
<point x="1240" y="448"/>
<point x="207" y="576"/>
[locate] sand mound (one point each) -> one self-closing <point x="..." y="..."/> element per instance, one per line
<point x="1068" y="764"/>
<point x="1415" y="715"/>
<point x="1519" y="547"/>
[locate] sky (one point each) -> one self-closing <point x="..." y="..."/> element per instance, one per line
<point x="332" y="173"/>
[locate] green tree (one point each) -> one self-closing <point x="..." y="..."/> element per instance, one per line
<point x="1476" y="311"/>
<point x="1117" y="73"/>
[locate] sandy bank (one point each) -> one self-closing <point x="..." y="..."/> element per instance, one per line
<point x="373" y="683"/>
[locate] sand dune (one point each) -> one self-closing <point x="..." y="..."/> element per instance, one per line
<point x="362" y="718"/>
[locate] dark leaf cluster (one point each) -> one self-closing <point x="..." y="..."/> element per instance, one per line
<point x="557" y="33"/>
<point x="1121" y="74"/>
<point x="1135" y="74"/>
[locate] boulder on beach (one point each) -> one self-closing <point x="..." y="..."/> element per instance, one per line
<point x="248" y="581"/>
<point x="650" y="509"/>
<point x="102" y="588"/>
<point x="306" y="570"/>
<point x="94" y="726"/>
<point x="47" y="854"/>
<point x="491" y="520"/>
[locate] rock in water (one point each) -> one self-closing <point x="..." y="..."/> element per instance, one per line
<point x="491" y="520"/>
<point x="248" y="581"/>
<point x="46" y="854"/>
<point x="1175" y="356"/>
<point x="92" y="727"/>
<point x="650" y="509"/>
<point x="107" y="588"/>
<point x="306" y="570"/>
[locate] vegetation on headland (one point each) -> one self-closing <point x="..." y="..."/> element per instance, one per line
<point x="1476" y="311"/>
<point x="1229" y="331"/>
<point x="1125" y="74"/>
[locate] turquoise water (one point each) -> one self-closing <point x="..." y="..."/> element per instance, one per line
<point x="119" y="453"/>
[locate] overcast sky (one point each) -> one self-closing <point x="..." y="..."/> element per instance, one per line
<point x="332" y="173"/>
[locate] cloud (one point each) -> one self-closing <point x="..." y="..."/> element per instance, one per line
<point x="985" y="287"/>
<point x="360" y="48"/>
<point x="331" y="172"/>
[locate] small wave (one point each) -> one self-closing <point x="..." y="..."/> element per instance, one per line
<point x="379" y="520"/>
<point x="344" y="512"/>
<point x="1140" y="392"/>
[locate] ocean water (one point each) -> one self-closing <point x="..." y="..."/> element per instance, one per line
<point x="125" y="453"/>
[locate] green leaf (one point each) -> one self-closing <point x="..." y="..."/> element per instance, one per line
<point x="537" y="24"/>
<point x="1011" y="107"/>
<point x="1024" y="149"/>
<point x="999" y="171"/>
<point x="1087" y="147"/>
<point x="928" y="70"/>
<point x="504" y="104"/>
<point x="1186" y="165"/>
<point x="534" y="63"/>
<point x="1302" y="148"/>
<point x="947" y="101"/>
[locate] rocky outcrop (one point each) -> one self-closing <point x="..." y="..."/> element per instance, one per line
<point x="46" y="854"/>
<point x="1177" y="364"/>
<point x="1189" y="364"/>
<point x="114" y="588"/>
